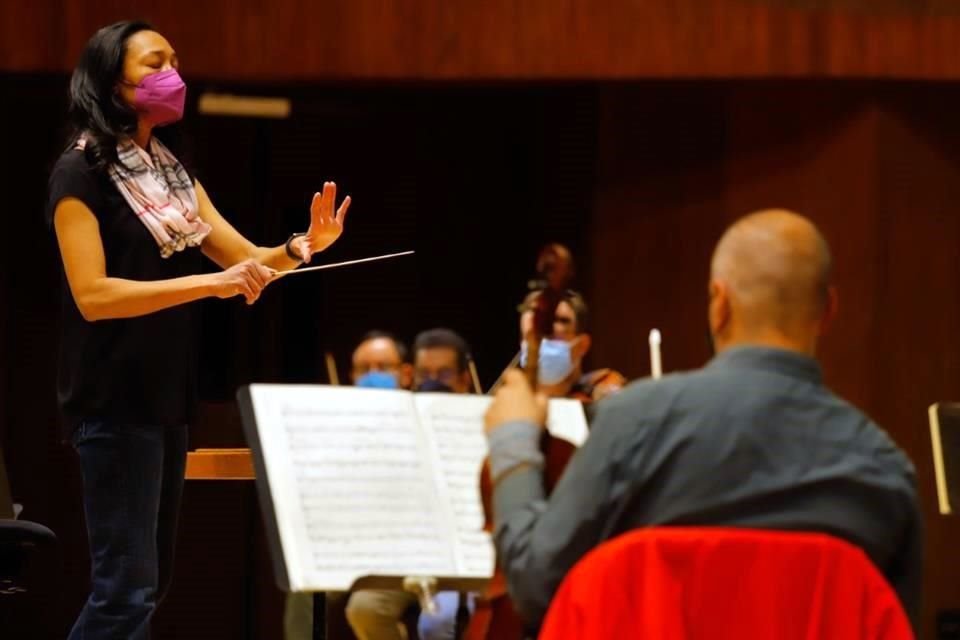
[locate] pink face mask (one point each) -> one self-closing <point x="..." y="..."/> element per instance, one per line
<point x="160" y="97"/>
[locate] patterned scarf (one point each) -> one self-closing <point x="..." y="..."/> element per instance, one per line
<point x="160" y="192"/>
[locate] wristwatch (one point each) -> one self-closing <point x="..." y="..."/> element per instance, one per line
<point x="289" y="251"/>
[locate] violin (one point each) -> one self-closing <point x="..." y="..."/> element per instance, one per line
<point x="495" y="617"/>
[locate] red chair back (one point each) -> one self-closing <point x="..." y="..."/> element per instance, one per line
<point x="725" y="584"/>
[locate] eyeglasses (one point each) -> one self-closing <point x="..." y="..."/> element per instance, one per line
<point x="446" y="375"/>
<point x="362" y="369"/>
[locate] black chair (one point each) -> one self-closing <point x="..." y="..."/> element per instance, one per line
<point x="20" y="542"/>
<point x="28" y="557"/>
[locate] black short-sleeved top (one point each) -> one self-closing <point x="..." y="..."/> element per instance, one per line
<point x="139" y="370"/>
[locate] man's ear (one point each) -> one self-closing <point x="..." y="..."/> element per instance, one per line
<point x="830" y="311"/>
<point x="718" y="314"/>
<point x="581" y="346"/>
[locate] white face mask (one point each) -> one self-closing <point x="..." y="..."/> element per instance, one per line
<point x="556" y="360"/>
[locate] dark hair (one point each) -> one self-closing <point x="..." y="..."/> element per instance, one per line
<point x="444" y="338"/>
<point x="401" y="348"/>
<point x="581" y="312"/>
<point x="96" y="110"/>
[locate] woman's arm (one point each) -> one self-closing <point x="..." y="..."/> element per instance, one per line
<point x="99" y="297"/>
<point x="226" y="246"/>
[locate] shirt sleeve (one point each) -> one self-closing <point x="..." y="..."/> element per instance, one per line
<point x="72" y="177"/>
<point x="513" y="445"/>
<point x="539" y="540"/>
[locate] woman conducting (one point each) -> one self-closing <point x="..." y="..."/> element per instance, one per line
<point x="131" y="224"/>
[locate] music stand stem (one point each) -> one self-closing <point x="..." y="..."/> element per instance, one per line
<point x="319" y="615"/>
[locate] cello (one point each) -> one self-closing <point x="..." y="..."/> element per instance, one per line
<point x="495" y="617"/>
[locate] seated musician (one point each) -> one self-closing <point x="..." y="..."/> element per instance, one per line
<point x="379" y="361"/>
<point x="560" y="375"/>
<point x="440" y="363"/>
<point x="754" y="439"/>
<point x="561" y="356"/>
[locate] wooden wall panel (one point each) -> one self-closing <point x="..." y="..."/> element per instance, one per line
<point x="653" y="222"/>
<point x="32" y="35"/>
<point x="916" y="347"/>
<point x="503" y="39"/>
<point x="787" y="149"/>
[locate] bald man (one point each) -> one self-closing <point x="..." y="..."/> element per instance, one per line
<point x="753" y="439"/>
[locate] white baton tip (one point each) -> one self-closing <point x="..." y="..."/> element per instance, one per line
<point x="654" y="336"/>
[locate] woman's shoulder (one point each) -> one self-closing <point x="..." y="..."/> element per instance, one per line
<point x="73" y="176"/>
<point x="75" y="169"/>
<point x="73" y="160"/>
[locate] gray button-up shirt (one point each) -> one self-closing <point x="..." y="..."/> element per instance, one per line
<point x="753" y="439"/>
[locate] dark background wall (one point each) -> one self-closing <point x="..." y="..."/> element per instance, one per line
<point x="451" y="155"/>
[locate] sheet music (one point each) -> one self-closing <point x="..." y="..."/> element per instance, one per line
<point x="377" y="482"/>
<point x="454" y="427"/>
<point x="358" y="468"/>
<point x="566" y="420"/>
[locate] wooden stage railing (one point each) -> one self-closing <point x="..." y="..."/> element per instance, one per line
<point x="219" y="464"/>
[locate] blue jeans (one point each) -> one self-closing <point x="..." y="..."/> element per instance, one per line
<point x="132" y="485"/>
<point x="443" y="624"/>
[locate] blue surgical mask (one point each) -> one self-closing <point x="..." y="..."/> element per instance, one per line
<point x="434" y="386"/>
<point x="556" y="360"/>
<point x="377" y="380"/>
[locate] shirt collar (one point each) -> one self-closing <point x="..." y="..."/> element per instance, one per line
<point x="783" y="361"/>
